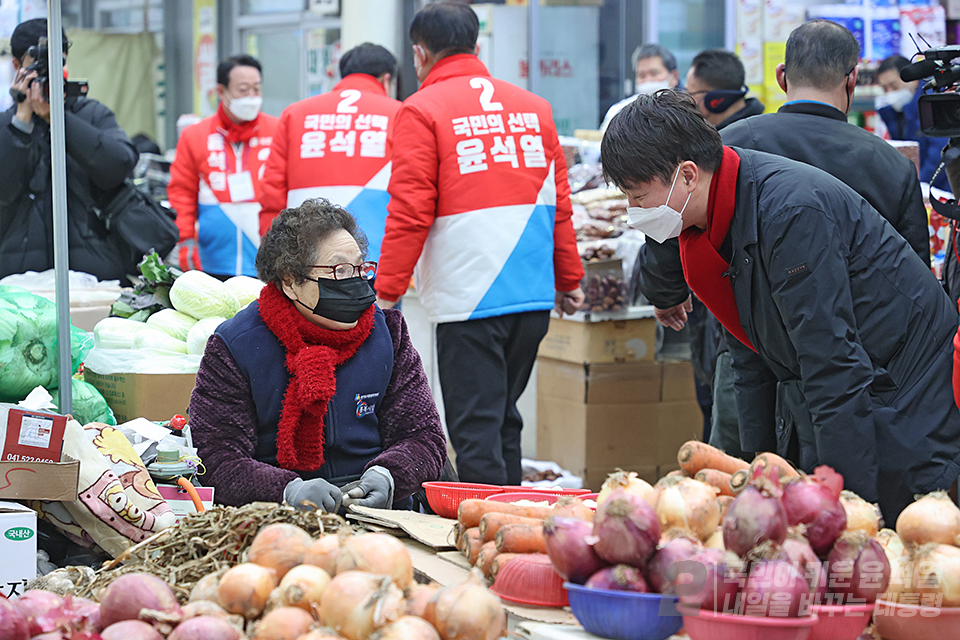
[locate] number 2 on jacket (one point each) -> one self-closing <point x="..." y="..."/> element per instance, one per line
<point x="350" y="96"/>
<point x="486" y="94"/>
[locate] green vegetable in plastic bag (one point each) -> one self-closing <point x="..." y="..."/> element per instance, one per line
<point x="28" y="344"/>
<point x="202" y="296"/>
<point x="88" y="405"/>
<point x="151" y="338"/>
<point x="200" y="333"/>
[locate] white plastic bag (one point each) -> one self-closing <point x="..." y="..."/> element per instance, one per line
<point x="107" y="361"/>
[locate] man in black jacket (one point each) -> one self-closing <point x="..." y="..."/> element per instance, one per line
<point x="818" y="76"/>
<point x="99" y="158"/>
<point x="843" y="353"/>
<point x="716" y="80"/>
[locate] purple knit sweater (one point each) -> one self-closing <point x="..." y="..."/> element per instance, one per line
<point x="223" y="421"/>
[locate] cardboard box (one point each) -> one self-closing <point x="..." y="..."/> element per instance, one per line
<point x="39" y="480"/>
<point x="628" y="382"/>
<point x="154" y="396"/>
<point x="677" y="382"/>
<point x="574" y="340"/>
<point x="18" y="548"/>
<point x="591" y="440"/>
<point x="86" y="317"/>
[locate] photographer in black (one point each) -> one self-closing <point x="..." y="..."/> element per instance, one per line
<point x="99" y="157"/>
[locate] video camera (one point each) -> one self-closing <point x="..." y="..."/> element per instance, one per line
<point x="39" y="53"/>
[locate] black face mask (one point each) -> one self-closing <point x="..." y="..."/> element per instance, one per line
<point x="343" y="300"/>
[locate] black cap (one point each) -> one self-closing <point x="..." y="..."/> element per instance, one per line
<point x="28" y="34"/>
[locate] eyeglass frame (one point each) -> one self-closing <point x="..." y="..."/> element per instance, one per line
<point x="358" y="269"/>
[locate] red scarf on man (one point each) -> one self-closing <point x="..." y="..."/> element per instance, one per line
<point x="313" y="355"/>
<point x="703" y="265"/>
<point x="236" y="132"/>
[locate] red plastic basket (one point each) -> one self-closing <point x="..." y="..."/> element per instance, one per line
<point x="445" y="497"/>
<point x="530" y="579"/>
<point x="532" y="496"/>
<point x="559" y="492"/>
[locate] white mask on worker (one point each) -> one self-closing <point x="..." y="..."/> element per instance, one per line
<point x="898" y="99"/>
<point x="246" y="108"/>
<point x="659" y="223"/>
<point x="647" y="88"/>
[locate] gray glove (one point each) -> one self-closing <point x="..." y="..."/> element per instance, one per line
<point x="375" y="490"/>
<point x="318" y="491"/>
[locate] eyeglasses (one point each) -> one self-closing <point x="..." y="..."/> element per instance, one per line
<point x="344" y="270"/>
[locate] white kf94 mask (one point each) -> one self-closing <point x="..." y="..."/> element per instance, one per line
<point x="659" y="223"/>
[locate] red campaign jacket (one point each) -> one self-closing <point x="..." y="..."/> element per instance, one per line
<point x="226" y="228"/>
<point x="479" y="199"/>
<point x="336" y="146"/>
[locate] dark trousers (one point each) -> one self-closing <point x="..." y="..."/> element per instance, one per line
<point x="484" y="366"/>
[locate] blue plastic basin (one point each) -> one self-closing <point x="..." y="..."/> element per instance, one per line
<point x="624" y="615"/>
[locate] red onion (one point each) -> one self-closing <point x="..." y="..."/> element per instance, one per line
<point x="621" y="577"/>
<point x="43" y="611"/>
<point x="858" y="568"/>
<point x="676" y="550"/>
<point x="86" y="613"/>
<point x="775" y="589"/>
<point x="756" y="515"/>
<point x="626" y="529"/>
<point x="127" y="595"/>
<point x="204" y="628"/>
<point x="130" y="630"/>
<point x="572" y="557"/>
<point x="800" y="553"/>
<point x="722" y="582"/>
<point x="810" y="501"/>
<point x="13" y="626"/>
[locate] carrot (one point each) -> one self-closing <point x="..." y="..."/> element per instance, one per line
<point x="739" y="480"/>
<point x="500" y="560"/>
<point x="470" y="511"/>
<point x="520" y="538"/>
<point x="694" y="456"/>
<point x="491" y="522"/>
<point x="717" y="479"/>
<point x="457" y="533"/>
<point x="725" y="502"/>
<point x="488" y="551"/>
<point x="470" y="545"/>
<point x="769" y="460"/>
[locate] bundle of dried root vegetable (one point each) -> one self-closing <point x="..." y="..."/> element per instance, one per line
<point x="203" y="543"/>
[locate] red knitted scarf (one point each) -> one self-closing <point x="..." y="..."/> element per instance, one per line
<point x="703" y="265"/>
<point x="313" y="355"/>
<point x="236" y="132"/>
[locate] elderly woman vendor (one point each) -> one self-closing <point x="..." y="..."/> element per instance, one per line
<point x="313" y="387"/>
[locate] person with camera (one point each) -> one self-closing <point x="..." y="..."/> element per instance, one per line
<point x="899" y="109"/>
<point x="99" y="157"/>
<point x="216" y="176"/>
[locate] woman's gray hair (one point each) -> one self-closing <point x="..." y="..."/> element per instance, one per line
<point x="289" y="248"/>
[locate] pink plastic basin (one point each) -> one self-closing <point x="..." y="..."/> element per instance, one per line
<point x="840" y="622"/>
<point x="911" y="622"/>
<point x="710" y="625"/>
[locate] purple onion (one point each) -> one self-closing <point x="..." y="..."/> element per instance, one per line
<point x="812" y="503"/>
<point x="626" y="529"/>
<point x="755" y="516"/>
<point x="725" y="573"/>
<point x="621" y="577"/>
<point x="858" y="567"/>
<point x="572" y="556"/>
<point x="775" y="589"/>
<point x="676" y="550"/>
<point x="801" y="554"/>
<point x="13" y="625"/>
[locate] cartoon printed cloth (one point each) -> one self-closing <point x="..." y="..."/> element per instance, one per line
<point x="118" y="504"/>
